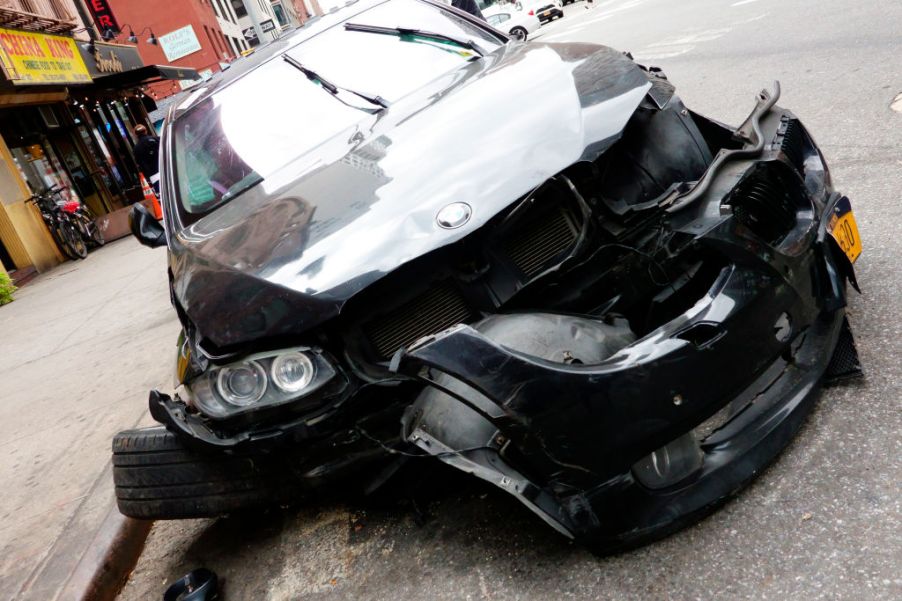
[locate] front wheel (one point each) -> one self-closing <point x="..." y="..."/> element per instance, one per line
<point x="158" y="478"/>
<point x="97" y="235"/>
<point x="519" y="34"/>
<point x="91" y="231"/>
<point x="75" y="244"/>
<point x="56" y="231"/>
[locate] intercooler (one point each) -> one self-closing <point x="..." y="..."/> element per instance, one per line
<point x="439" y="307"/>
<point x="530" y="246"/>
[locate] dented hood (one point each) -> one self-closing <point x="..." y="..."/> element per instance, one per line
<point x="287" y="254"/>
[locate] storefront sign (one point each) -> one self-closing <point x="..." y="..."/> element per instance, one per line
<point x="179" y="43"/>
<point x="103" y="14"/>
<point x="35" y="58"/>
<point x="267" y="25"/>
<point x="107" y="65"/>
<point x="111" y="58"/>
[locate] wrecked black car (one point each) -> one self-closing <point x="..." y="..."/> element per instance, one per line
<point x="395" y="234"/>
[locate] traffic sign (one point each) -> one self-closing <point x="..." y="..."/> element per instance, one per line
<point x="267" y="25"/>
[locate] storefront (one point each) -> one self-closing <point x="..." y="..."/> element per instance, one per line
<point x="111" y="108"/>
<point x="35" y="153"/>
<point x="80" y="137"/>
<point x="108" y="111"/>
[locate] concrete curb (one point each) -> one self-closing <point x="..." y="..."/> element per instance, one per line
<point x="94" y="555"/>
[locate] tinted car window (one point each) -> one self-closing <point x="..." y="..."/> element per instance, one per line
<point x="246" y="131"/>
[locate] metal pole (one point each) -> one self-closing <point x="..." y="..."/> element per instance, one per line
<point x="252" y="13"/>
<point x="86" y="19"/>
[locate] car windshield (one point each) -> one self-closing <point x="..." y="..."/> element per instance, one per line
<point x="246" y="131"/>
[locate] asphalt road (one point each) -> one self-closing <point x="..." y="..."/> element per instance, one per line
<point x="822" y="523"/>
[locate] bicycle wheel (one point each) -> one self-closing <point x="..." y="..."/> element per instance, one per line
<point x="96" y="234"/>
<point x="74" y="240"/>
<point x="56" y="232"/>
<point x="89" y="230"/>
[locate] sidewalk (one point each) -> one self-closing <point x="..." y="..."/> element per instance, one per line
<point x="79" y="349"/>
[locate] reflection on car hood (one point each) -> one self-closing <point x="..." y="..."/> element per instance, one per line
<point x="287" y="254"/>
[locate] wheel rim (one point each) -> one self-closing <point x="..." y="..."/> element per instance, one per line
<point x="518" y="34"/>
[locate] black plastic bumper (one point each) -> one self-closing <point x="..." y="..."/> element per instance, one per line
<point x="564" y="438"/>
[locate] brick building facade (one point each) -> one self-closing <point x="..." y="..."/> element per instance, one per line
<point x="187" y="31"/>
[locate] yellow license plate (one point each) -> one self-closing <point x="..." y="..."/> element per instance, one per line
<point x="844" y="229"/>
<point x="545" y="14"/>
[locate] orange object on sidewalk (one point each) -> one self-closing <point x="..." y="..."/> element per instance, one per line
<point x="150" y="197"/>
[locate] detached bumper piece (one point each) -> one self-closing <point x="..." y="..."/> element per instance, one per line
<point x="616" y="442"/>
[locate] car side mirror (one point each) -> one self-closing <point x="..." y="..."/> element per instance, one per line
<point x="145" y="227"/>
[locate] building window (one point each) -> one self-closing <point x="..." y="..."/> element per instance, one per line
<point x="60" y="11"/>
<point x="240" y="10"/>
<point x="280" y="14"/>
<point x="225" y="45"/>
<point x="212" y="42"/>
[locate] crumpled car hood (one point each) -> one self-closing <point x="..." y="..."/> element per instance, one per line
<point x="287" y="254"/>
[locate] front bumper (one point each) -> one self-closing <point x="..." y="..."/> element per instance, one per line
<point x="746" y="362"/>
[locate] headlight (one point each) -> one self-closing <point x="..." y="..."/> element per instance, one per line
<point x="243" y="384"/>
<point x="292" y="372"/>
<point x="259" y="381"/>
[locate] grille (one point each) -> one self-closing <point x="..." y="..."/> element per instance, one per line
<point x="438" y="308"/>
<point x="537" y="242"/>
<point x="792" y="145"/>
<point x="766" y="203"/>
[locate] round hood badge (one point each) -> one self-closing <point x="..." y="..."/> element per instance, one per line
<point x="454" y="215"/>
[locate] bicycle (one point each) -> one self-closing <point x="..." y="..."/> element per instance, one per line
<point x="65" y="233"/>
<point x="84" y="220"/>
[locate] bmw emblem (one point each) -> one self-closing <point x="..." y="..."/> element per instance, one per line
<point x="454" y="215"/>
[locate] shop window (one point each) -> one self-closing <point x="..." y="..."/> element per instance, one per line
<point x="40" y="167"/>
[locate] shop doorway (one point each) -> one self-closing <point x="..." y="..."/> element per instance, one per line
<point x="82" y="173"/>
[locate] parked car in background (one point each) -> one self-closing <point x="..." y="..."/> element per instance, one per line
<point x="519" y="24"/>
<point x="545" y="10"/>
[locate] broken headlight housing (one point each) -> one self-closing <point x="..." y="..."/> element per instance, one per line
<point x="259" y="381"/>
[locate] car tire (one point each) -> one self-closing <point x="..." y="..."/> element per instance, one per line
<point x="157" y="477"/>
<point x="518" y="33"/>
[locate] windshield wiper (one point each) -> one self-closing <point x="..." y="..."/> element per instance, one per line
<point x="419" y="33"/>
<point x="331" y="87"/>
